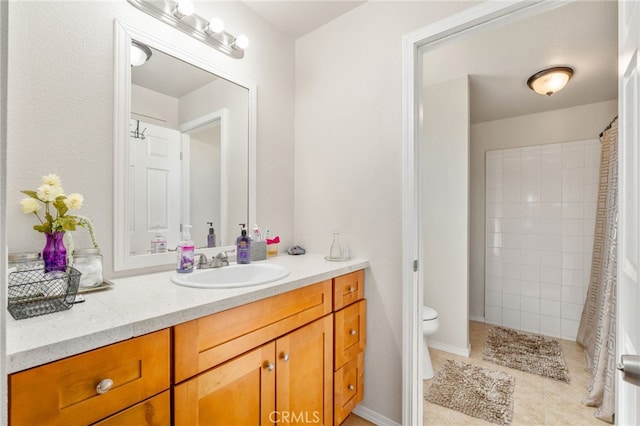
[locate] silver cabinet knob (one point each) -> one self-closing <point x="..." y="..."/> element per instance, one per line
<point x="104" y="386"/>
<point x="269" y="365"/>
<point x="351" y="387"/>
<point x="352" y="289"/>
<point x="353" y="332"/>
<point x="285" y="357"/>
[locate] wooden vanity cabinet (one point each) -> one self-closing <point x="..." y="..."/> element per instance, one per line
<point x="286" y="381"/>
<point x="267" y="362"/>
<point x="349" y="343"/>
<point x="65" y="392"/>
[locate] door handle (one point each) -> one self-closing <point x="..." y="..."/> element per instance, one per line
<point x="630" y="367"/>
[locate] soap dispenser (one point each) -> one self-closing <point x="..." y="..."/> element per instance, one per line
<point x="211" y="238"/>
<point x="243" y="246"/>
<point x="186" y="251"/>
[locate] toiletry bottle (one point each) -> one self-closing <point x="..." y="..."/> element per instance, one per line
<point x="211" y="238"/>
<point x="186" y="249"/>
<point x="243" y="243"/>
<point x="158" y="243"/>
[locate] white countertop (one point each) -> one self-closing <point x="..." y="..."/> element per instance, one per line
<point x="142" y="304"/>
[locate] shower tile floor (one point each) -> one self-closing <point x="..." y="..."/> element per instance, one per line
<point x="536" y="400"/>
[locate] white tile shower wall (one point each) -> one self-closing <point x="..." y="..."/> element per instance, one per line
<point x="540" y="218"/>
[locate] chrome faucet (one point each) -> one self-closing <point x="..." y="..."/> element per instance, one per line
<point x="221" y="259"/>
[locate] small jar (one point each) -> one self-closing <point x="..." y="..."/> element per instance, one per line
<point x="89" y="263"/>
<point x="25" y="261"/>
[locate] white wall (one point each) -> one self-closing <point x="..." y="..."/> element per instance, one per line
<point x="570" y="124"/>
<point x="60" y="107"/>
<point x="349" y="165"/>
<point x="444" y="168"/>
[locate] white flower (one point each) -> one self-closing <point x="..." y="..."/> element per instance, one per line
<point x="30" y="205"/>
<point x="49" y="193"/>
<point x="74" y="201"/>
<point x="52" y="180"/>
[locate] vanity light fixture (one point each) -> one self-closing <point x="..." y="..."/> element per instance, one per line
<point x="551" y="80"/>
<point x="180" y="14"/>
<point x="139" y="53"/>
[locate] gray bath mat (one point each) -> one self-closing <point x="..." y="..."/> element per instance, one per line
<point x="528" y="352"/>
<point x="474" y="391"/>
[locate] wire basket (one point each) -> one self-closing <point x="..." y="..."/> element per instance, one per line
<point x="35" y="292"/>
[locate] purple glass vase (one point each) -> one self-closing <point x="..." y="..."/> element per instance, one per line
<point x="54" y="253"/>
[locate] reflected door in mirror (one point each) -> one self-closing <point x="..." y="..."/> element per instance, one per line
<point x="154" y="172"/>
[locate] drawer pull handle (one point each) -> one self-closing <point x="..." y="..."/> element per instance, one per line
<point x="352" y="289"/>
<point x="285" y="357"/>
<point x="351" y="387"/>
<point x="104" y="386"/>
<point x="353" y="332"/>
<point x="269" y="366"/>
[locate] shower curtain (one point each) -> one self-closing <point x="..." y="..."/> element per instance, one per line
<point x="597" y="331"/>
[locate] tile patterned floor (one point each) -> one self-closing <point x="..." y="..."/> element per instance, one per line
<point x="537" y="400"/>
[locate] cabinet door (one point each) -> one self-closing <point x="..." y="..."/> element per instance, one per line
<point x="304" y="375"/>
<point x="350" y="337"/>
<point x="349" y="382"/>
<point x="238" y="392"/>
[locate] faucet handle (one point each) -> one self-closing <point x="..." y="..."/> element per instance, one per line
<point x="203" y="262"/>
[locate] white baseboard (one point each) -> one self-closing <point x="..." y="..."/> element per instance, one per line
<point x="475" y="318"/>
<point x="373" y="417"/>
<point x="465" y="352"/>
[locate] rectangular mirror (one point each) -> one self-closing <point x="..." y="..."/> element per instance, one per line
<point x="186" y="155"/>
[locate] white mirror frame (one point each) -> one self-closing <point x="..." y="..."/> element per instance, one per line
<point x="123" y="34"/>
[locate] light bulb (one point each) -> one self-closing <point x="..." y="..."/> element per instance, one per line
<point x="215" y="26"/>
<point x="242" y="42"/>
<point x="183" y="8"/>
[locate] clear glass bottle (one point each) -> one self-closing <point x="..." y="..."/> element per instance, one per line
<point x="89" y="262"/>
<point x="336" y="252"/>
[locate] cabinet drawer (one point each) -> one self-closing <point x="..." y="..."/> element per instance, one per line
<point x="350" y="332"/>
<point x="206" y="342"/>
<point x="154" y="411"/>
<point x="65" y="391"/>
<point x="349" y="387"/>
<point x="348" y="289"/>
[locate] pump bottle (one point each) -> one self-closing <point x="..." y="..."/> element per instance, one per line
<point x="211" y="238"/>
<point x="186" y="250"/>
<point x="243" y="246"/>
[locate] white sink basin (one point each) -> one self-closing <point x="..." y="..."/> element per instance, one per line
<point x="232" y="276"/>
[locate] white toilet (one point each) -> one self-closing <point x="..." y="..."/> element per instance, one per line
<point x="430" y="325"/>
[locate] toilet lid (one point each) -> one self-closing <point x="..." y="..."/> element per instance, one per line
<point x="429" y="313"/>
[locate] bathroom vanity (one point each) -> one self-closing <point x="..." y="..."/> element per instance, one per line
<point x="151" y="352"/>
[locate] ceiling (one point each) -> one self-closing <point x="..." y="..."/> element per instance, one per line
<point x="582" y="35"/>
<point x="296" y="18"/>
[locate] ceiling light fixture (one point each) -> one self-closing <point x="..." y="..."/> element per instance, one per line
<point x="140" y="53"/>
<point x="181" y="15"/>
<point x="549" y="81"/>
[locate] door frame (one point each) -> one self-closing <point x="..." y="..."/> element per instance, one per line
<point x="477" y="18"/>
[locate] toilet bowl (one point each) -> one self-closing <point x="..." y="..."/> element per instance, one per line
<point x="430" y="325"/>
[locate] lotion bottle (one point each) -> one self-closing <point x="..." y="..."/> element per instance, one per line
<point x="243" y="246"/>
<point x="211" y="238"/>
<point x="186" y="250"/>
